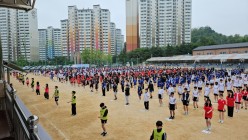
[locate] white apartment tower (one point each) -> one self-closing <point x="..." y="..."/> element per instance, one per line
<point x="119" y="41"/>
<point x="27" y="30"/>
<point x="57" y="42"/>
<point x="50" y="43"/>
<point x="19" y="34"/>
<point x="85" y="28"/>
<point x="113" y="38"/>
<point x="164" y="22"/>
<point x="65" y="37"/>
<point x="43" y="44"/>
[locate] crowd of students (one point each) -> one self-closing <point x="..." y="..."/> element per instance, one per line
<point x="188" y="84"/>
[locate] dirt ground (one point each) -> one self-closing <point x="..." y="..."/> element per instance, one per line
<point x="125" y="122"/>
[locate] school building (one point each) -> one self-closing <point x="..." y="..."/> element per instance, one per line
<point x="236" y="48"/>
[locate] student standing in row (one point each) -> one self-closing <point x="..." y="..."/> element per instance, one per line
<point x="27" y="81"/>
<point x="230" y="103"/>
<point x="46" y="92"/>
<point x="160" y="95"/>
<point x="185" y="100"/>
<point x="56" y="95"/>
<point x="32" y="84"/>
<point x="172" y="105"/>
<point x="103" y="87"/>
<point x="238" y="98"/>
<point x="151" y="88"/>
<point x="158" y="133"/>
<point x="208" y="113"/>
<point x="37" y="88"/>
<point x="104" y="118"/>
<point x="127" y="93"/>
<point x="115" y="90"/>
<point x="139" y="91"/>
<point x="195" y="97"/>
<point x="146" y="99"/>
<point x="221" y="108"/>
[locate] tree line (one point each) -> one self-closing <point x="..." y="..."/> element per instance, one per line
<point x="202" y="36"/>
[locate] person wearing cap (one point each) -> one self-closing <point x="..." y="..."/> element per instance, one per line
<point x="158" y="133"/>
<point x="104" y="118"/>
<point x="56" y="95"/>
<point x="185" y="99"/>
<point x="127" y="93"/>
<point x="73" y="104"/>
<point x="146" y="99"/>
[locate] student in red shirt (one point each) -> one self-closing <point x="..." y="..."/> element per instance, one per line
<point x="46" y="92"/>
<point x="208" y="113"/>
<point x="221" y="108"/>
<point x="237" y="97"/>
<point x="245" y="97"/>
<point x="230" y="103"/>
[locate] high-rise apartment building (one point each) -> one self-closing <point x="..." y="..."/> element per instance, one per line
<point x="87" y="28"/>
<point x="65" y="38"/>
<point x="113" y="38"/>
<point x="19" y="34"/>
<point x="50" y="43"/>
<point x="162" y="22"/>
<point x="43" y="44"/>
<point x="132" y="25"/>
<point x="119" y="41"/>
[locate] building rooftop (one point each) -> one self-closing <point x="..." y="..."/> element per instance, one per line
<point x="200" y="58"/>
<point x="222" y="46"/>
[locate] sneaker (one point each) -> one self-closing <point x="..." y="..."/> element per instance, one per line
<point x="104" y="133"/>
<point x="219" y="121"/>
<point x="245" y="108"/>
<point x="171" y="117"/>
<point x="222" y="121"/>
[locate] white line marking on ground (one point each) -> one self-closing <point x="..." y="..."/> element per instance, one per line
<point x="60" y="132"/>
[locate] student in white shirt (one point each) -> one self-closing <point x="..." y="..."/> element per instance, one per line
<point x="207" y="92"/>
<point x="179" y="90"/>
<point x="221" y="86"/>
<point x="216" y="92"/>
<point x="195" y="97"/>
<point x="199" y="85"/>
<point x="170" y="90"/>
<point x="229" y="85"/>
<point x="172" y="105"/>
<point x="160" y="95"/>
<point x="146" y="99"/>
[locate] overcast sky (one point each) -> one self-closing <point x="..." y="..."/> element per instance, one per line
<point x="224" y="16"/>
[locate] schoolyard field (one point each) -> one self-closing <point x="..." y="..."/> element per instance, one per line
<point x="124" y="122"/>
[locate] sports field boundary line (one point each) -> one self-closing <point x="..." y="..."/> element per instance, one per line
<point x="60" y="132"/>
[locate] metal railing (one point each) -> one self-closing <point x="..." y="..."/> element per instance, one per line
<point x="24" y="125"/>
